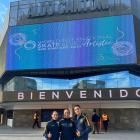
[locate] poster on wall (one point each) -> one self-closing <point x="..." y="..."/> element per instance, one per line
<point x="77" y="43"/>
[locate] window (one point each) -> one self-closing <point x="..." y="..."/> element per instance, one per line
<point x="16" y="88"/>
<point x="112" y="83"/>
<point x="110" y="80"/>
<point x="10" y="114"/>
<point x="16" y="80"/>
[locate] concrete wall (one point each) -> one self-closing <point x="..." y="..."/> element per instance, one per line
<point x="25" y="118"/>
<point x="137" y="119"/>
<point x="120" y="119"/>
<point x="123" y="119"/>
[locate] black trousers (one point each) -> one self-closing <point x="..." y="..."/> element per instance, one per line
<point x="96" y="126"/>
<point x="36" y="122"/>
<point x="105" y="125"/>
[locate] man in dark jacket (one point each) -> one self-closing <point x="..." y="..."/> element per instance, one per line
<point x="95" y="120"/>
<point x="82" y="125"/>
<point x="36" y="117"/>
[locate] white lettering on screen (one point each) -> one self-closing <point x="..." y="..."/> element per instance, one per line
<point x="56" y="95"/>
<point x="137" y="93"/>
<point x="121" y="94"/>
<point x="41" y="95"/>
<point x="83" y="94"/>
<point x="31" y="95"/>
<point x="20" y="96"/>
<point x="110" y="93"/>
<point x="98" y="94"/>
<point x="69" y="96"/>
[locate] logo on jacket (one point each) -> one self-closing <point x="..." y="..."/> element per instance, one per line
<point x="70" y="124"/>
<point x="81" y="121"/>
<point x="62" y="124"/>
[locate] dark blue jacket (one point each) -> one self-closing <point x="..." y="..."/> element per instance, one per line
<point x="82" y="125"/>
<point x="95" y="118"/>
<point x="66" y="127"/>
<point x="53" y="127"/>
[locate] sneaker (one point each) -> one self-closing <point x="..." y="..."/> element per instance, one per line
<point x="93" y="132"/>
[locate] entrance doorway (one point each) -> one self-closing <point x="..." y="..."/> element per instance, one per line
<point x="89" y="113"/>
<point x="46" y="114"/>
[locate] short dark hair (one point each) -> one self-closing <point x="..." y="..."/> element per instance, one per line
<point x="36" y="111"/>
<point x="77" y="106"/>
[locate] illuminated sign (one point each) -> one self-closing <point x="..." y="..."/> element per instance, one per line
<point x="71" y="6"/>
<point x="77" y="43"/>
<point x="74" y="95"/>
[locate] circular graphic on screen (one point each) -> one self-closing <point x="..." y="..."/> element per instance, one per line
<point x="17" y="39"/>
<point x="30" y="45"/>
<point x="122" y="48"/>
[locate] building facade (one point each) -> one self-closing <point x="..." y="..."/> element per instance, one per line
<point x="56" y="54"/>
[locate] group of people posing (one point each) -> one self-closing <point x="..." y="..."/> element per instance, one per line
<point x="76" y="129"/>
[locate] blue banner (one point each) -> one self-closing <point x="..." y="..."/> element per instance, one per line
<point x="78" y="43"/>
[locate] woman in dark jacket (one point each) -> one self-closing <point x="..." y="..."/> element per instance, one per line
<point x="66" y="127"/>
<point x="51" y="131"/>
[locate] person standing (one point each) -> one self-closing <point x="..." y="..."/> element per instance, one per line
<point x="51" y="131"/>
<point x="85" y="115"/>
<point x="95" y="120"/>
<point x="82" y="125"/>
<point x="105" y="119"/>
<point x="36" y="117"/>
<point x="66" y="127"/>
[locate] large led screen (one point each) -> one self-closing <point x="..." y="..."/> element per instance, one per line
<point x="78" y="43"/>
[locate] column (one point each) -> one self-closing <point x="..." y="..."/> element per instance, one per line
<point x="70" y="109"/>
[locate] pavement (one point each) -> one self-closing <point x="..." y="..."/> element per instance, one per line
<point x="23" y="133"/>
